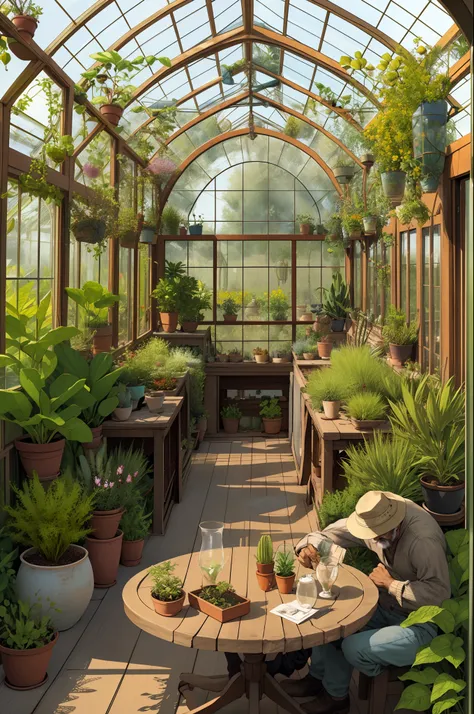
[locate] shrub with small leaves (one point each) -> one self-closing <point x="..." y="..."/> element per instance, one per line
<point x="166" y="586"/>
<point x="23" y="629"/>
<point x="270" y="409"/>
<point x="221" y="595"/>
<point x="135" y="523"/>
<point x="231" y="411"/>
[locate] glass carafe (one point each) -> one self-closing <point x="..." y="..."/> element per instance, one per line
<point x="306" y="592"/>
<point x="327" y="572"/>
<point x="211" y="556"/>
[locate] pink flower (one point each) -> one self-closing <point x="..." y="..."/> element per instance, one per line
<point x="120" y="470"/>
<point x="161" y="168"/>
<point x="135" y="474"/>
<point x="129" y="479"/>
<point x="97" y="481"/>
<point x="111" y="484"/>
<point x="106" y="484"/>
<point x="91" y="171"/>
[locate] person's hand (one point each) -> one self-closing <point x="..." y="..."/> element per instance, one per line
<point x="308" y="556"/>
<point x="381" y="577"/>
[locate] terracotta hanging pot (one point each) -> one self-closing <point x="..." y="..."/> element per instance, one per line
<point x="132" y="551"/>
<point x="26" y="26"/>
<point x="26" y="669"/>
<point x="45" y="459"/>
<point x="112" y="112"/>
<point x="169" y="321"/>
<point x="102" y="340"/>
<point x="105" y="524"/>
<point x="105" y="557"/>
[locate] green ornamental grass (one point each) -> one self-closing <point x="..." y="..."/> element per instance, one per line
<point x="326" y="386"/>
<point x="366" y="406"/>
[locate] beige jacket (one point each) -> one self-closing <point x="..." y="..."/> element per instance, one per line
<point x="417" y="561"/>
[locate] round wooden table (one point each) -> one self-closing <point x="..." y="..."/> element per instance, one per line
<point x="253" y="636"/>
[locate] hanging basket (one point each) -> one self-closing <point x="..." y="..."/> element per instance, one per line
<point x="90" y="230"/>
<point x="112" y="112"/>
<point x="148" y="235"/>
<point x="343" y="174"/>
<point x="429" y="141"/>
<point x="393" y="185"/>
<point x="370" y="224"/>
<point x="129" y="239"/>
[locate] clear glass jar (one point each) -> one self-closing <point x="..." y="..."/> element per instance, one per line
<point x="211" y="556"/>
<point x="327" y="571"/>
<point x="306" y="592"/>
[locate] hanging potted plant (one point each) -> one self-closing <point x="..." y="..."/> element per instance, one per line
<point x="265" y="563"/>
<point x="167" y="592"/>
<point x="25" y="17"/>
<point x="231" y="416"/>
<point x="93" y="216"/>
<point x="230" y="310"/>
<point x="370" y="222"/>
<point x="306" y="222"/>
<point x="149" y="234"/>
<point x="413" y="208"/>
<point x="343" y="171"/>
<point x="112" y="77"/>
<point x="95" y="301"/>
<point x="400" y="336"/>
<point x="53" y="569"/>
<point x="195" y="228"/>
<point x="135" y="525"/>
<point x="270" y="411"/>
<point x="26" y="645"/>
<point x="285" y="569"/>
<point x="129" y="227"/>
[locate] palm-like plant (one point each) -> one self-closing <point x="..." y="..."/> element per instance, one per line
<point x="432" y="420"/>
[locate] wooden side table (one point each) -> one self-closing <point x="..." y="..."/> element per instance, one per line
<point x="164" y="431"/>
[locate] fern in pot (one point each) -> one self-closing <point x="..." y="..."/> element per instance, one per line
<point x="135" y="525"/>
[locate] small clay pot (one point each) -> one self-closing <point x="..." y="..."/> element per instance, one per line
<point x="45" y="459"/>
<point x="183" y="231"/>
<point x="104" y="524"/>
<point x="26" y="26"/>
<point x="400" y="353"/>
<point x="112" y="113"/>
<point x="122" y="413"/>
<point x="102" y="340"/>
<point x="189" y="326"/>
<point x="96" y="442"/>
<point x="272" y="426"/>
<point x="261" y="359"/>
<point x="266" y="581"/>
<point x="325" y="349"/>
<point x="230" y="318"/>
<point x="265" y="568"/>
<point x="169" y="321"/>
<point x="231" y="426"/>
<point x="222" y="357"/>
<point x="235" y="357"/>
<point x="285" y="584"/>
<point x="305" y="229"/>
<point x="154" y="402"/>
<point x="168" y="609"/>
<point x="332" y="409"/>
<point x="105" y="557"/>
<point x="132" y="551"/>
<point x="26" y="669"/>
<point x="309" y="355"/>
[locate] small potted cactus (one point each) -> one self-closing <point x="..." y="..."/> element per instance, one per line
<point x="265" y="563"/>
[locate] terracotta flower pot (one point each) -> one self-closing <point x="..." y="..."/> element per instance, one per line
<point x="112" y="112"/>
<point x="241" y="609"/>
<point x="183" y="231"/>
<point x="230" y="318"/>
<point x="332" y="409"/>
<point x="305" y="229"/>
<point x="102" y="340"/>
<point x="272" y="426"/>
<point x="105" y="557"/>
<point x="168" y="609"/>
<point x="265" y="568"/>
<point x="26" y="669"/>
<point x="96" y="442"/>
<point x="325" y="349"/>
<point x="169" y="321"/>
<point x="400" y="353"/>
<point x="266" y="581"/>
<point x="231" y="426"/>
<point x="104" y="524"/>
<point x="45" y="459"/>
<point x="222" y="357"/>
<point x="285" y="584"/>
<point x="442" y="499"/>
<point x="26" y="26"/>
<point x="280" y="360"/>
<point x="306" y="317"/>
<point x="234" y="357"/>
<point x="189" y="326"/>
<point x="309" y="355"/>
<point x="132" y="551"/>
<point x="261" y="359"/>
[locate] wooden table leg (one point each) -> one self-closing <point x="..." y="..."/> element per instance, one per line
<point x="327" y="466"/>
<point x="234" y="689"/>
<point x="273" y="691"/>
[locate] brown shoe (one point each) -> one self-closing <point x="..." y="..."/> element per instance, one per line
<point x="325" y="704"/>
<point x="307" y="687"/>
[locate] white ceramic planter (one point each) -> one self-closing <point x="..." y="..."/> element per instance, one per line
<point x="122" y="413"/>
<point x="154" y="402"/>
<point x="331" y="409"/>
<point x="69" y="587"/>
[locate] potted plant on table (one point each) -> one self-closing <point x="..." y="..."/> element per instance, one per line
<point x="327" y="391"/>
<point x="194" y="299"/>
<point x="54" y="569"/>
<point x="222" y="357"/>
<point x="400" y="336"/>
<point x="195" y="227"/>
<point x="367" y="410"/>
<point x="306" y="222"/>
<point x="135" y="525"/>
<point x="231" y="416"/>
<point x="279" y="305"/>
<point x="337" y="302"/>
<point x="154" y="399"/>
<point x="220" y="602"/>
<point x="123" y="411"/>
<point x="433" y="420"/>
<point x="282" y="354"/>
<point x="261" y="355"/>
<point x="95" y="301"/>
<point x="265" y="563"/>
<point x="285" y="569"/>
<point x="235" y="355"/>
<point x="166" y="296"/>
<point x="310" y="347"/>
<point x="298" y="348"/>
<point x="112" y="76"/>
<point x="167" y="592"/>
<point x="325" y="346"/>
<point x="26" y="645"/>
<point x="134" y="375"/>
<point x="270" y="411"/>
<point x="353" y="224"/>
<point x="230" y="310"/>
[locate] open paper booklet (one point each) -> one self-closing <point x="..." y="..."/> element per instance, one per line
<point x="294" y="612"/>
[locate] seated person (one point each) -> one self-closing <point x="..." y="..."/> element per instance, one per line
<point x="412" y="572"/>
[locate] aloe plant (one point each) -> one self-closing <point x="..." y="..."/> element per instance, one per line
<point x="265" y="550"/>
<point x="336" y="300"/>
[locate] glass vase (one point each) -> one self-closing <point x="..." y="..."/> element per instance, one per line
<point x="327" y="572"/>
<point x="306" y="592"/>
<point x="211" y="556"/>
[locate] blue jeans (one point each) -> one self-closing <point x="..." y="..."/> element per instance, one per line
<point x="380" y="644"/>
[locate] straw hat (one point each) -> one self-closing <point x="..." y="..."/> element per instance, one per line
<point x="376" y="513"/>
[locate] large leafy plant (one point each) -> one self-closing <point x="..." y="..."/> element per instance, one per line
<point x="50" y="520"/>
<point x="95" y="301"/>
<point x="100" y="398"/>
<point x="336" y="300"/>
<point x="437" y="672"/>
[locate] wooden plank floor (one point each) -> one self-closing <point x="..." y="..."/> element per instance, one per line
<point x="105" y="665"/>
